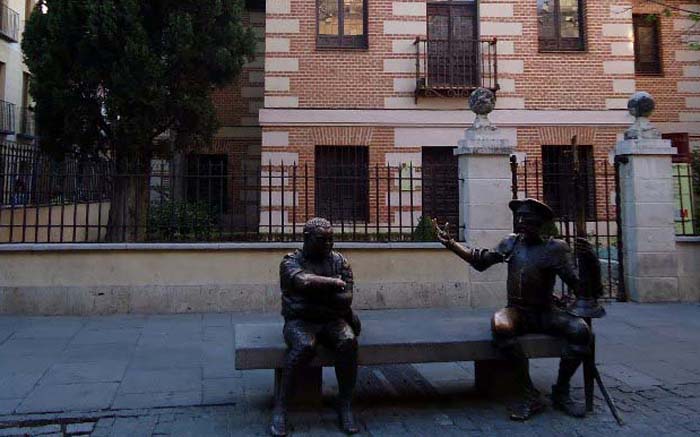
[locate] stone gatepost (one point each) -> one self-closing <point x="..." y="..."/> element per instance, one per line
<point x="647" y="208"/>
<point x="484" y="193"/>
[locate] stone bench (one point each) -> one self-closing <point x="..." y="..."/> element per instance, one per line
<point x="261" y="346"/>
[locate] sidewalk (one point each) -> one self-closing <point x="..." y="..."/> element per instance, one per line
<point x="174" y="375"/>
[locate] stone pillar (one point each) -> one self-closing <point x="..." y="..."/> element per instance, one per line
<point x="647" y="208"/>
<point x="484" y="193"/>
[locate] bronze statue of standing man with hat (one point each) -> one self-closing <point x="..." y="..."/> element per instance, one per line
<point x="534" y="263"/>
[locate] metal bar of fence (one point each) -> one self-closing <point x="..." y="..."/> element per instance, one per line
<point x="607" y="224"/>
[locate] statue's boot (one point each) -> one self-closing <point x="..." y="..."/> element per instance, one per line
<point x="530" y="402"/>
<point x="561" y="398"/>
<point x="278" y="426"/>
<point x="346" y="373"/>
<point x="346" y="418"/>
<point x="527" y="407"/>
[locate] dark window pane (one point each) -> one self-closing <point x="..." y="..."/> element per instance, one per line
<point x="353" y="17"/>
<point x="328" y="17"/>
<point x="440" y="186"/>
<point x="558" y="180"/>
<point x="559" y="25"/>
<point x="342" y="183"/>
<point x="452" y="46"/>
<point x="682" y="144"/>
<point x="569" y="19"/>
<point x="646" y="45"/>
<point x="545" y="19"/>
<point x="207" y="181"/>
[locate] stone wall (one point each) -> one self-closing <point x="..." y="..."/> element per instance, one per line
<point x="688" y="249"/>
<point x="108" y="279"/>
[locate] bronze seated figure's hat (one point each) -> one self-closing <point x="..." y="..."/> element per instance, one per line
<point x="541" y="209"/>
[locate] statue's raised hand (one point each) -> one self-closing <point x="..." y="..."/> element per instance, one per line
<point x="443" y="235"/>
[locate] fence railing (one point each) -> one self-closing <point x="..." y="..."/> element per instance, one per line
<point x="686" y="186"/>
<point x="552" y="181"/>
<point x="9" y="23"/>
<point x="455" y="67"/>
<point x="193" y="201"/>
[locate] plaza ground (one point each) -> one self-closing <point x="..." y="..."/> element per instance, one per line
<point x="174" y="375"/>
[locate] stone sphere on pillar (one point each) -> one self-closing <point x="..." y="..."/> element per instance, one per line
<point x="641" y="104"/>
<point x="482" y="101"/>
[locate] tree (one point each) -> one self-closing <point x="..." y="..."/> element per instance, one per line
<point x="689" y="10"/>
<point x="109" y="77"/>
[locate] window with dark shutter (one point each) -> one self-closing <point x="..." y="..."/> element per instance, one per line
<point x="558" y="180"/>
<point x="341" y="24"/>
<point x="560" y="24"/>
<point x="647" y="59"/>
<point x="682" y="144"/>
<point x="207" y="177"/>
<point x="342" y="183"/>
<point x="440" y="189"/>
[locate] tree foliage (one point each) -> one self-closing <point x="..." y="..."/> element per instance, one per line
<point x="114" y="75"/>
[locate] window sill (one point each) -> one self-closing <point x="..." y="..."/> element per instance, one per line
<point x="554" y="52"/>
<point x="649" y="74"/>
<point x="342" y="49"/>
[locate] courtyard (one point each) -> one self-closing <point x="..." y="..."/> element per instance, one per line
<point x="174" y="375"/>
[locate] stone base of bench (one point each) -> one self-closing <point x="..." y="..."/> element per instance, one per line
<point x="492" y="378"/>
<point x="498" y="377"/>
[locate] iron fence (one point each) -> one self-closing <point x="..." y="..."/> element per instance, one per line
<point x="214" y="200"/>
<point x="553" y="180"/>
<point x="455" y="67"/>
<point x="686" y="185"/>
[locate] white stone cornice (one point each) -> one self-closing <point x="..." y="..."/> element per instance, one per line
<point x="438" y="118"/>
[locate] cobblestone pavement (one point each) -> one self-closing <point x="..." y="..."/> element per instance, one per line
<point x="174" y="375"/>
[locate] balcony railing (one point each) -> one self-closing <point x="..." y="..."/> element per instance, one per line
<point x="9" y="24"/>
<point x="455" y="67"/>
<point x="7" y="118"/>
<point x="27" y="127"/>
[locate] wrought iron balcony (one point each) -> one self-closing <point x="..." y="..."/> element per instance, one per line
<point x="27" y="127"/>
<point x="455" y="67"/>
<point x="7" y="118"/>
<point x="9" y="24"/>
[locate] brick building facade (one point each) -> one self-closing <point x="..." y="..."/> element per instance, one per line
<point x="386" y="81"/>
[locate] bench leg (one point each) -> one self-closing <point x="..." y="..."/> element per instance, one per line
<point x="498" y="377"/>
<point x="307" y="388"/>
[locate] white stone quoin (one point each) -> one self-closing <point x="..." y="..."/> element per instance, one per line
<point x="647" y="208"/>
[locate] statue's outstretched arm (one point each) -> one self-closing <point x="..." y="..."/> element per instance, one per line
<point x="480" y="259"/>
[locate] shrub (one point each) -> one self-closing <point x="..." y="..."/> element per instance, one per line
<point x="177" y="220"/>
<point x="425" y="230"/>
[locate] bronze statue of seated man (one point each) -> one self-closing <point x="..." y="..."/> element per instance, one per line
<point x="534" y="263"/>
<point x="317" y="291"/>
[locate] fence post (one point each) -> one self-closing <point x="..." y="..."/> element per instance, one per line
<point x="647" y="208"/>
<point x="484" y="193"/>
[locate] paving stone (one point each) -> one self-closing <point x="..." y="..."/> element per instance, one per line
<point x="101" y="336"/>
<point x="80" y="428"/>
<point x="71" y="373"/>
<point x="159" y="381"/>
<point x="69" y="397"/>
<point x="153" y="400"/>
<point x="96" y="353"/>
<point x="221" y="390"/>
<point x="7" y="406"/>
<point x="134" y="426"/>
